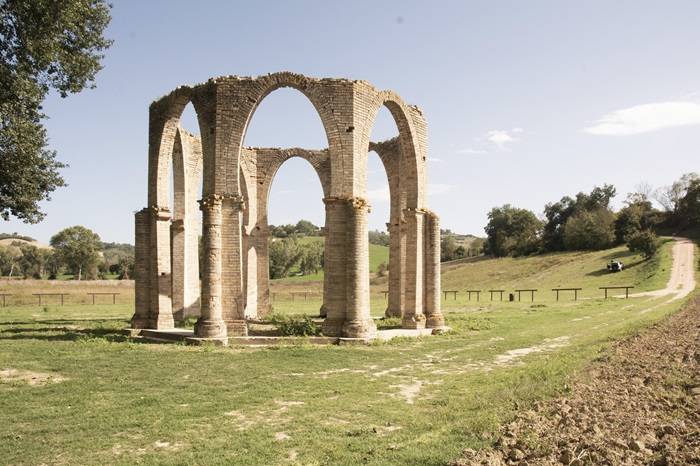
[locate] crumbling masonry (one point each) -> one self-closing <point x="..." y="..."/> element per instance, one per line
<point x="235" y="182"/>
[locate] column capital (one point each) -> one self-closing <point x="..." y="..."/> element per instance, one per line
<point x="159" y="212"/>
<point x="357" y="203"/>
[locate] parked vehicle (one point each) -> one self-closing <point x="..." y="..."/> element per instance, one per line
<point x="615" y="266"/>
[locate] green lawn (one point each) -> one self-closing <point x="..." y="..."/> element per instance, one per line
<point x="406" y="402"/>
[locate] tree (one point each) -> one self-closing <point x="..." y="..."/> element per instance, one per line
<point x="589" y="230"/>
<point x="512" y="231"/>
<point x="557" y="214"/>
<point x="379" y="237"/>
<point x="9" y="258"/>
<point x="311" y="258"/>
<point x="284" y="255"/>
<point x="78" y="248"/>
<point x="670" y="196"/>
<point x="644" y="242"/>
<point x="448" y="247"/>
<point x="44" y="45"/>
<point x="32" y="262"/>
<point x="637" y="214"/>
<point x="306" y="228"/>
<point x="688" y="208"/>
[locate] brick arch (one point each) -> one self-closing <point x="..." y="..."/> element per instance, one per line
<point x="411" y="189"/>
<point x="164" y="122"/>
<point x="319" y="161"/>
<point x="259" y="88"/>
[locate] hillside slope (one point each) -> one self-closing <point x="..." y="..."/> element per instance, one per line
<point x="561" y="270"/>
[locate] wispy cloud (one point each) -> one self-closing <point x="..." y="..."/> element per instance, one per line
<point x="501" y="137"/>
<point x="646" y="118"/>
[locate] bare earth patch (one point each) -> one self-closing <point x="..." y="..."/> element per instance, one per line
<point x="30" y="377"/>
<point x="512" y="356"/>
<point x="638" y="404"/>
<point x="409" y="391"/>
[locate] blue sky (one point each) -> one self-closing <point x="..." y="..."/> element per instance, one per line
<point x="526" y="101"/>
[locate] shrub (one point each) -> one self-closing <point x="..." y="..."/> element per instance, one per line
<point x="644" y="242"/>
<point x="297" y="326"/>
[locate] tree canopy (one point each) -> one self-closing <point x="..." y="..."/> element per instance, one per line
<point x="44" y="45"/>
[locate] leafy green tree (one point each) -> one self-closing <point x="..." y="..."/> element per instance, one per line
<point x="32" y="262"/>
<point x="512" y="231"/>
<point x="78" y="249"/>
<point x="44" y="45"/>
<point x="557" y="214"/>
<point x="448" y="247"/>
<point x="306" y="228"/>
<point x="637" y="214"/>
<point x="380" y="238"/>
<point x="311" y="259"/>
<point x="670" y="196"/>
<point x="688" y="209"/>
<point x="284" y="255"/>
<point x="10" y="257"/>
<point x="644" y="242"/>
<point x="590" y="230"/>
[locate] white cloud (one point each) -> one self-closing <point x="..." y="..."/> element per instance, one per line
<point x="646" y="118"/>
<point x="499" y="137"/>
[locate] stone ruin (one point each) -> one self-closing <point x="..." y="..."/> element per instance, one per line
<point x="235" y="183"/>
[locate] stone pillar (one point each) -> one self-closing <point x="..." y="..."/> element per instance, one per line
<point x="142" y="305"/>
<point x="233" y="300"/>
<point x="413" y="316"/>
<point x="334" y="258"/>
<point x="323" y="312"/>
<point x="434" y="317"/>
<point x="262" y="239"/>
<point x="250" y="274"/>
<point x="358" y="321"/>
<point x="161" y="316"/>
<point x="211" y="324"/>
<point x="177" y="243"/>
<point x="397" y="246"/>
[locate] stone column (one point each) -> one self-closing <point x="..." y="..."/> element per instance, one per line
<point x="434" y="317"/>
<point x="262" y="238"/>
<point x="161" y="316"/>
<point x="233" y="301"/>
<point x="323" y="312"/>
<point x="413" y="316"/>
<point x="142" y="305"/>
<point x="177" y="244"/>
<point x="358" y="321"/>
<point x="396" y="277"/>
<point x="334" y="258"/>
<point x="211" y="324"/>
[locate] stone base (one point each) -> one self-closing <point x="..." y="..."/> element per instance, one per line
<point x="389" y="313"/>
<point x="139" y="322"/>
<point x="435" y="321"/>
<point x="364" y="329"/>
<point x="237" y="328"/>
<point x="332" y="328"/>
<point x="163" y="322"/>
<point x="413" y="322"/>
<point x="210" y="329"/>
<point x="322" y="312"/>
<point x="207" y="341"/>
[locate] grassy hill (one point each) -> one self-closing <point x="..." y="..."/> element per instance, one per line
<point x="561" y="270"/>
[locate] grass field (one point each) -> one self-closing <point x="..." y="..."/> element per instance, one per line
<point x="421" y="401"/>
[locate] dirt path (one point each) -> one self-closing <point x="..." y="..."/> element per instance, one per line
<point x="682" y="280"/>
<point x="638" y="404"/>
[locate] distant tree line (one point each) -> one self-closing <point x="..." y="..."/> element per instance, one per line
<point x="75" y="251"/>
<point x="587" y="222"/>
<point x="302" y="228"/>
